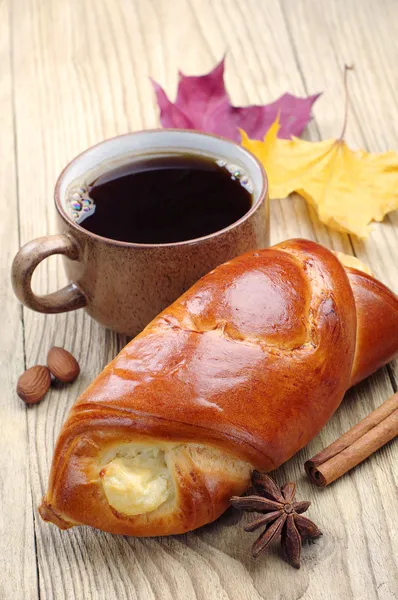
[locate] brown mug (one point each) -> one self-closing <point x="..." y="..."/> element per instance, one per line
<point x="125" y="285"/>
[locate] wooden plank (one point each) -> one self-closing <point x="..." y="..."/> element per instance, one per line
<point x="81" y="72"/>
<point x="324" y="41"/>
<point x="54" y="94"/>
<point x="18" y="579"/>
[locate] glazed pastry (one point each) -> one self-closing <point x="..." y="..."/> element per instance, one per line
<point x="239" y="373"/>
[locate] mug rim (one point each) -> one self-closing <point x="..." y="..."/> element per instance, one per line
<point x="262" y="194"/>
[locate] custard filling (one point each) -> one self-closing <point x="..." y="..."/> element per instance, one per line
<point x="138" y="482"/>
<point x="138" y="478"/>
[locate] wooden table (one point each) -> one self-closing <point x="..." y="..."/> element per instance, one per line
<point x="74" y="72"/>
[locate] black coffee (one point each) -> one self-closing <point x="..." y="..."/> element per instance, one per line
<point x="164" y="199"/>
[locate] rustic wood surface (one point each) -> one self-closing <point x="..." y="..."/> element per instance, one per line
<point x="73" y="72"/>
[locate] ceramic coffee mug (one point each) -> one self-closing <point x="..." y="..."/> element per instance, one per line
<point x="124" y="285"/>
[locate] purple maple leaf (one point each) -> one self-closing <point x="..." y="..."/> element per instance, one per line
<point x="203" y="103"/>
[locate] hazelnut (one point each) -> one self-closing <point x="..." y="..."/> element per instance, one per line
<point x="34" y="384"/>
<point x="62" y="364"/>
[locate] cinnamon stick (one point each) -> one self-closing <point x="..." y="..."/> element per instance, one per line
<point x="370" y="434"/>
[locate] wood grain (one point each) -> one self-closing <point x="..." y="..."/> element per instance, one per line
<point x="18" y="576"/>
<point x="80" y="72"/>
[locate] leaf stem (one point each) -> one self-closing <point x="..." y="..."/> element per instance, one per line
<point x="347" y="100"/>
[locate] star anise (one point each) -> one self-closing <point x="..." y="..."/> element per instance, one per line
<point x="282" y="516"/>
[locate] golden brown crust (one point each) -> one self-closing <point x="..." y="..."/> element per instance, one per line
<point x="251" y="362"/>
<point x="202" y="491"/>
<point x="377" y="324"/>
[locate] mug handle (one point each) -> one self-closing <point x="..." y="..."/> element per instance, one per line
<point x="25" y="262"/>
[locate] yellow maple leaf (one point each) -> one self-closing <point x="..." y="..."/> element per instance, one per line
<point x="348" y="188"/>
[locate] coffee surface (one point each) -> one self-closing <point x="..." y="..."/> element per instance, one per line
<point x="164" y="199"/>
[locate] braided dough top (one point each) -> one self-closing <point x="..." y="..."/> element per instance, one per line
<point x="253" y="359"/>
